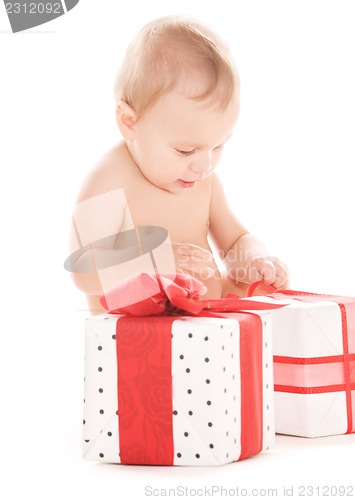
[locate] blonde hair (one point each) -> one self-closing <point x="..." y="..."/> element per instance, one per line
<point x="174" y="51"/>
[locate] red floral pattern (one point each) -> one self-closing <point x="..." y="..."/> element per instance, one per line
<point x="146" y="422"/>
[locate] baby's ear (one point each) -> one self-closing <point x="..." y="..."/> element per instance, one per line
<point x="126" y="119"/>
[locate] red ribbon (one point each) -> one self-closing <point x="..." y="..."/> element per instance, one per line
<point x="147" y="294"/>
<point x="145" y="390"/>
<point x="251" y="381"/>
<point x="347" y="311"/>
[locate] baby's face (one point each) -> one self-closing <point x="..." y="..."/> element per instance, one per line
<point x="178" y="142"/>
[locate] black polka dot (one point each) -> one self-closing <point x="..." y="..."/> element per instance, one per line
<point x="178" y="455"/>
<point x="187" y="370"/>
<point x="87" y="440"/>
<point x="222" y="347"/>
<point x="117" y="412"/>
<point x="102" y="412"/>
<point x="265" y="344"/>
<point x="224" y="368"/>
<point x="231" y="334"/>
<point x="267" y="386"/>
<point x="100" y="369"/>
<point x="102" y="455"/>
<point x="225" y="390"/>
<point x="109" y="434"/>
<point x="207" y="360"/>
<point x="226" y="412"/>
<point x="221" y="326"/>
<point x="210" y="424"/>
<point x="181" y="356"/>
<point x="227" y="433"/>
<point x="267" y="407"/>
<point x="211" y="445"/>
<point x="100" y="348"/>
<point x="190" y="335"/>
<point x="189" y="391"/>
<point x="197" y="455"/>
<point x="186" y="434"/>
<point x="101" y="390"/>
<point x="266" y="365"/>
<point x="206" y="338"/>
<point x="83" y="422"/>
<point x="175" y="412"/>
<point x="114" y="337"/>
<point x="209" y="403"/>
<point x="190" y="412"/>
<point x="232" y="355"/>
<point x="208" y="381"/>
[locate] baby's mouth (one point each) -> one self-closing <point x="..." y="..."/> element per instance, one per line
<point x="187" y="184"/>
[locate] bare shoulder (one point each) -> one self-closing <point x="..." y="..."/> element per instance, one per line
<point x="107" y="175"/>
<point x="101" y="210"/>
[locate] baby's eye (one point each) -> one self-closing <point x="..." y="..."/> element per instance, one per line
<point x="185" y="153"/>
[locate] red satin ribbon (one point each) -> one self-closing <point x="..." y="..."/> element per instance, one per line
<point x="251" y="382"/>
<point x="176" y="295"/>
<point x="145" y="390"/>
<point x="309" y="374"/>
<point x="347" y="311"/>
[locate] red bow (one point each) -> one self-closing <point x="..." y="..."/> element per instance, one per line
<point x="147" y="294"/>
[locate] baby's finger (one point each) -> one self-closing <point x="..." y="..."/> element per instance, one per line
<point x="267" y="272"/>
<point x="281" y="279"/>
<point x="185" y="280"/>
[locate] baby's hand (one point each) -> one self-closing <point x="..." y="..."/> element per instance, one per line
<point x="193" y="260"/>
<point x="269" y="270"/>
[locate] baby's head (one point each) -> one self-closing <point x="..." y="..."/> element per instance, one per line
<point x="176" y="54"/>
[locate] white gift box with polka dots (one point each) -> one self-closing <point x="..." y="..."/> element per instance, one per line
<point x="203" y="434"/>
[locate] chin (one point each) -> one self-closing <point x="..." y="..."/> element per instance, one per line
<point x="172" y="189"/>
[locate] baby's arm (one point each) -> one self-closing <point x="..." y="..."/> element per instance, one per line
<point x="245" y="257"/>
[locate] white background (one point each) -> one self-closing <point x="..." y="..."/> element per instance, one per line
<point x="288" y="175"/>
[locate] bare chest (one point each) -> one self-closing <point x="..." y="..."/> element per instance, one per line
<point x="185" y="216"/>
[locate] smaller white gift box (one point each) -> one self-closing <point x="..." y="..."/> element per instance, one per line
<point x="314" y="363"/>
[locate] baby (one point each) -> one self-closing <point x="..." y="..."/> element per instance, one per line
<point x="177" y="102"/>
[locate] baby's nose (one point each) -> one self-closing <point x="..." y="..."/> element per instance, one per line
<point x="202" y="162"/>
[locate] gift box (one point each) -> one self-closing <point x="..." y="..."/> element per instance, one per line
<point x="314" y="363"/>
<point x="177" y="389"/>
